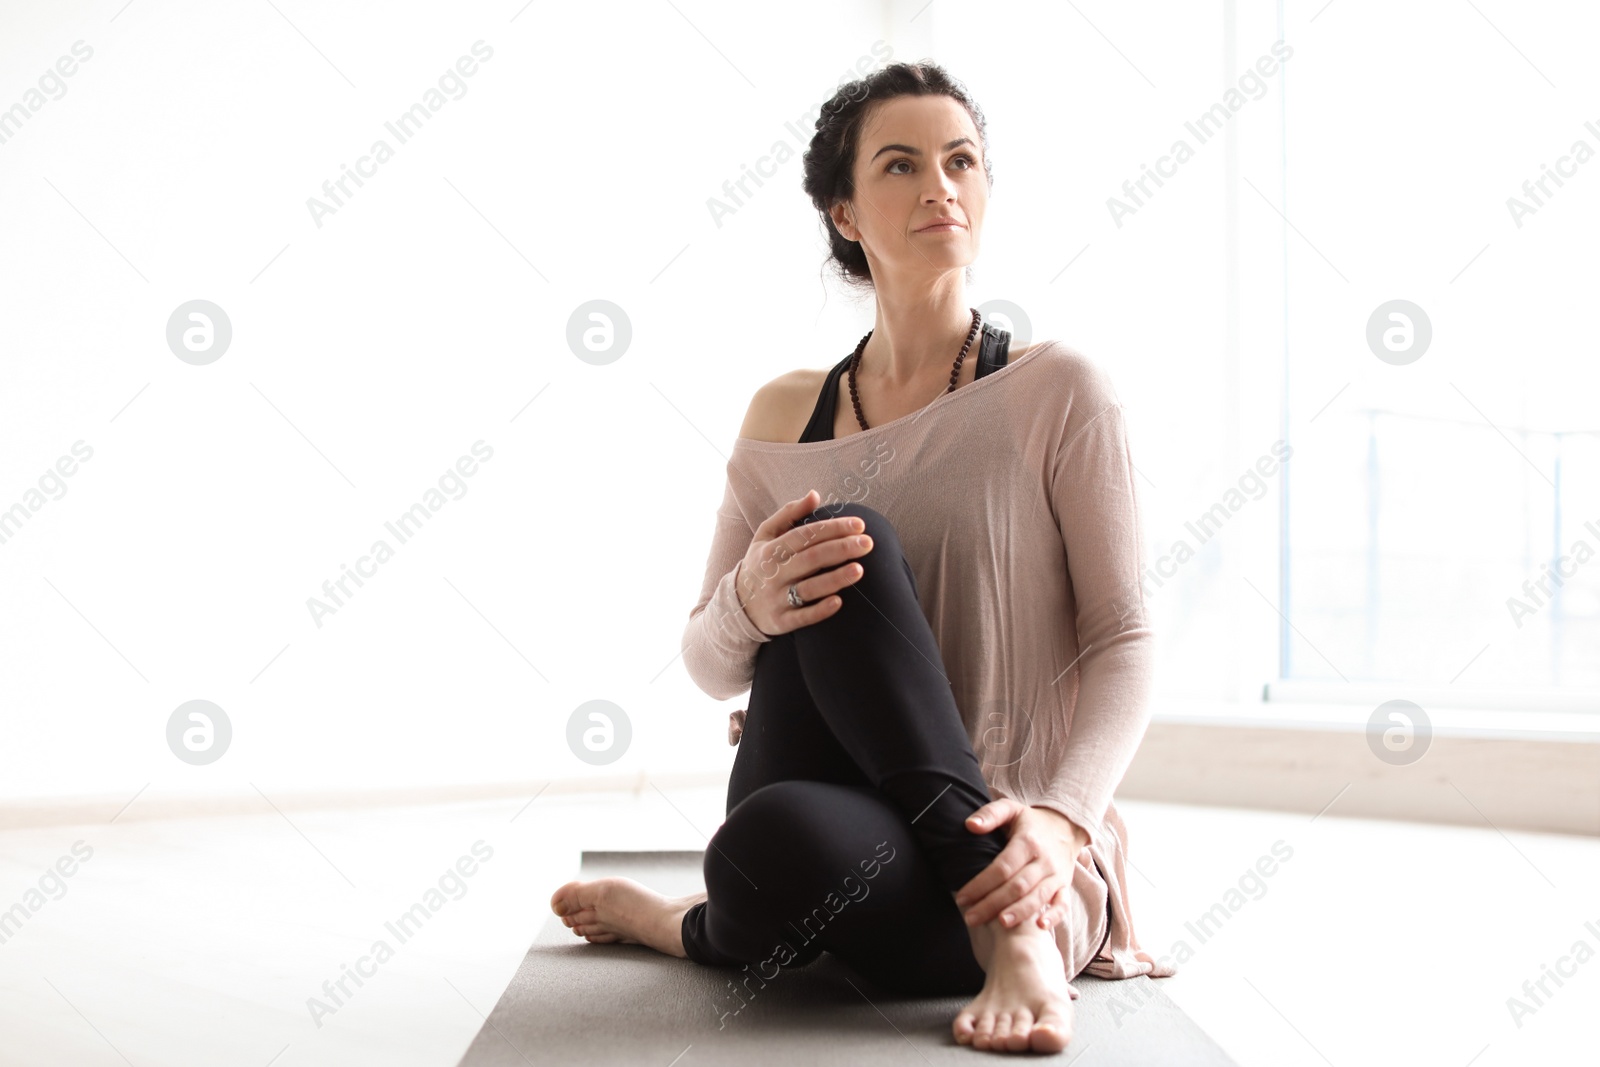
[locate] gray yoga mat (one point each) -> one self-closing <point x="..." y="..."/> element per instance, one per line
<point x="572" y="1002"/>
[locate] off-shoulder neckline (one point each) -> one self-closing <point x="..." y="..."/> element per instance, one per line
<point x="751" y="444"/>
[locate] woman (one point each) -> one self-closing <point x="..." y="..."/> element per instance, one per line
<point x="965" y="654"/>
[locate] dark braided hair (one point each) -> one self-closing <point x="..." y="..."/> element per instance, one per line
<point x="831" y="158"/>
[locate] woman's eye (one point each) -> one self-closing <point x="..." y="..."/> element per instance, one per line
<point x="970" y="163"/>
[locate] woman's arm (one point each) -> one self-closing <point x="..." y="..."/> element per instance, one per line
<point x="720" y="641"/>
<point x="1096" y="506"/>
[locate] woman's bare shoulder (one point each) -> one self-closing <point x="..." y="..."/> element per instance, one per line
<point x="780" y="410"/>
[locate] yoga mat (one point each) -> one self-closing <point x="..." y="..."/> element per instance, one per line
<point x="572" y="1002"/>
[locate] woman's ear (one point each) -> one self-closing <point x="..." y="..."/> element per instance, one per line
<point x="844" y="221"/>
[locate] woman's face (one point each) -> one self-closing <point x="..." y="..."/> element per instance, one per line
<point x="918" y="159"/>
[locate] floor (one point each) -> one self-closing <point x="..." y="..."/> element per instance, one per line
<point x="254" y="940"/>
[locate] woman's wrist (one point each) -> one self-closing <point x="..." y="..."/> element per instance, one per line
<point x="1070" y="830"/>
<point x="739" y="595"/>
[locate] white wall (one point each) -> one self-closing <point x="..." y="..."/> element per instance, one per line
<point x="431" y="312"/>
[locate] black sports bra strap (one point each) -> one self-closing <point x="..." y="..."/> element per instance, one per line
<point x="820" y="428"/>
<point x="994" y="351"/>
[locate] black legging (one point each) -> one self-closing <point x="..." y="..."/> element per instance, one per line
<point x="845" y="825"/>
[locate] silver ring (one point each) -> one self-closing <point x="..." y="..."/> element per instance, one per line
<point x="794" y="598"/>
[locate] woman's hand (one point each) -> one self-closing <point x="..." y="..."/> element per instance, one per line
<point x="817" y="558"/>
<point x="1032" y="874"/>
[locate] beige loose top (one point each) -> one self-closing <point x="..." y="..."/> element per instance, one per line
<point x="1014" y="500"/>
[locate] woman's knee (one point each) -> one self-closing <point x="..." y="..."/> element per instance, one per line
<point x="785" y="832"/>
<point x="877" y="524"/>
<point x="777" y="818"/>
<point x="740" y="852"/>
<point x="763" y="864"/>
<point x="885" y="539"/>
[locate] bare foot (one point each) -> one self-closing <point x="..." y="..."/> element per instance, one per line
<point x="619" y="909"/>
<point x="1025" y="1005"/>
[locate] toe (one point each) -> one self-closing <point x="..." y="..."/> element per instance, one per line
<point x="1021" y="1024"/>
<point x="1050" y="1034"/>
<point x="962" y="1028"/>
<point x="984" y="1032"/>
<point x="558" y="899"/>
<point x="1002" y="1031"/>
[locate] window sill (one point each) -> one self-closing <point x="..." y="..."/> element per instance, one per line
<point x="1529" y="770"/>
<point x="1298" y="710"/>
